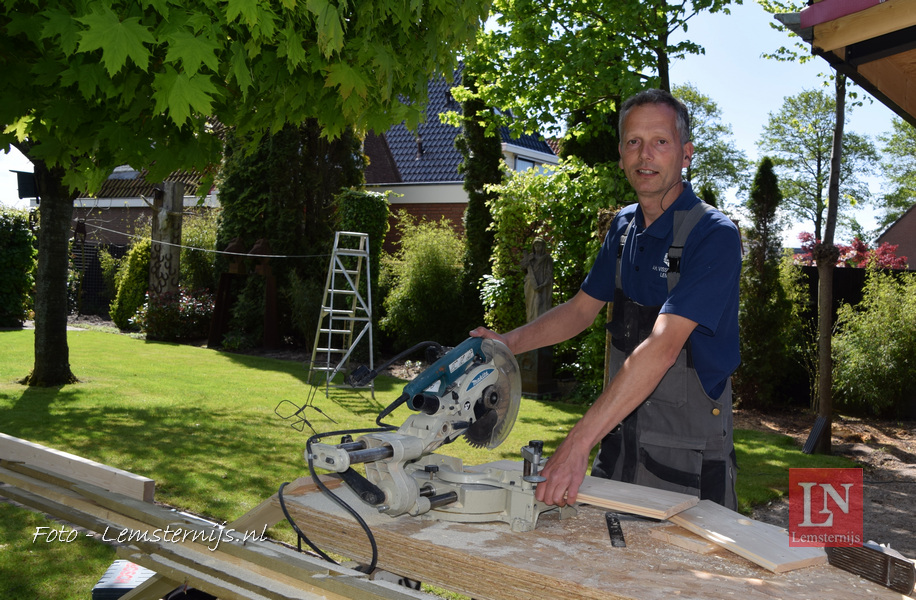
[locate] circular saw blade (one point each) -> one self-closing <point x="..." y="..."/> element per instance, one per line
<point x="497" y="408"/>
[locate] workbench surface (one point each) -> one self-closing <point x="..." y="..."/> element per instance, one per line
<point x="562" y="559"/>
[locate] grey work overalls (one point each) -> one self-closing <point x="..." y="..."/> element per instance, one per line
<point x="679" y="439"/>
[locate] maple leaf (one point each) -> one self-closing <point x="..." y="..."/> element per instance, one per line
<point x="330" y="30"/>
<point x="346" y="79"/>
<point x="291" y="46"/>
<point x="192" y="51"/>
<point x="239" y="67"/>
<point x="60" y="23"/>
<point x="248" y="9"/>
<point x="181" y="94"/>
<point x="118" y="40"/>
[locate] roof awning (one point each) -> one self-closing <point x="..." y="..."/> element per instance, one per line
<point x="872" y="42"/>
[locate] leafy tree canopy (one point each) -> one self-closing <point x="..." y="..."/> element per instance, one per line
<point x="899" y="167"/>
<point x="716" y="164"/>
<point x="799" y="139"/>
<point x="543" y="60"/>
<point x="91" y="84"/>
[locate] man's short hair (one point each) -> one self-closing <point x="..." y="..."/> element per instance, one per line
<point x="654" y="96"/>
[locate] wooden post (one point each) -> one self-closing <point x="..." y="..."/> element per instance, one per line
<point x="168" y="203"/>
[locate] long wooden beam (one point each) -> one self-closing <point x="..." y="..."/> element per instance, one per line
<point x="109" y="478"/>
<point x="880" y="19"/>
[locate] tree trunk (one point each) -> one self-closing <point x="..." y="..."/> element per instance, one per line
<point x="55" y="209"/>
<point x="826" y="255"/>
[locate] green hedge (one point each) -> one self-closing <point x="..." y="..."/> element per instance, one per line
<point x="17" y="266"/>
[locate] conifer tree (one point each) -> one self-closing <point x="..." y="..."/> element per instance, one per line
<point x="765" y="310"/>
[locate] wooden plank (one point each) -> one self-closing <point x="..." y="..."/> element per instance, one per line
<point x="880" y="19"/>
<point x="616" y="495"/>
<point x="761" y="543"/>
<point x="347" y="584"/>
<point x="103" y="476"/>
<point x="269" y="513"/>
<point x="680" y="537"/>
<point x="201" y="581"/>
<point x="154" y="588"/>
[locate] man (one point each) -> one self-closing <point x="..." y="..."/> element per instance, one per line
<point x="664" y="420"/>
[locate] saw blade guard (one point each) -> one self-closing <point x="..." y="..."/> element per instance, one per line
<point x="500" y="401"/>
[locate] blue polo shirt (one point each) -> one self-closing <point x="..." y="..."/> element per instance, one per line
<point x="707" y="292"/>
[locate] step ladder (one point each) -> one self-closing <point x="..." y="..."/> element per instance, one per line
<point x="346" y="316"/>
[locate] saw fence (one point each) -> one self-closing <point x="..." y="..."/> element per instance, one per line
<point x="677" y="548"/>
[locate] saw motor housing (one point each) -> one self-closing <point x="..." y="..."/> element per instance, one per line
<point x="474" y="391"/>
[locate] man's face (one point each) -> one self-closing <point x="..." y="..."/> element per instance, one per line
<point x="651" y="153"/>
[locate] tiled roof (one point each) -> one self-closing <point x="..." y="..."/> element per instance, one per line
<point x="428" y="155"/>
<point x="128" y="183"/>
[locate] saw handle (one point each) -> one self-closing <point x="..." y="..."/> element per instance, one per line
<point x="367" y="491"/>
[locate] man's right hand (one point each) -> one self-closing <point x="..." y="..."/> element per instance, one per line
<point x="483" y="332"/>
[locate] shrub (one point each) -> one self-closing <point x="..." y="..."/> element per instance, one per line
<point x="246" y="323"/>
<point x="132" y="281"/>
<point x="198" y="267"/>
<point x="875" y="346"/>
<point x="424" y="302"/>
<point x="173" y="317"/>
<point x="17" y="266"/>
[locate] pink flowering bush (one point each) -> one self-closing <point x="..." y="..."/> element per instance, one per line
<point x="854" y="255"/>
<point x="171" y="317"/>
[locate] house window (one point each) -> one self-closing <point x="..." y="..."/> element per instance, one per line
<point x="523" y="164"/>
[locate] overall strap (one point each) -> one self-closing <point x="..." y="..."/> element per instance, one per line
<point x="623" y="242"/>
<point x="684" y="222"/>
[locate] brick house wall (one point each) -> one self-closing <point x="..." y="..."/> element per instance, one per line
<point x="902" y="233"/>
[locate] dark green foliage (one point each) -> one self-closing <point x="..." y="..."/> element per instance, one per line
<point x="708" y="195"/>
<point x="875" y="346"/>
<point x="366" y="212"/>
<point x="132" y="283"/>
<point x="593" y="140"/>
<point x="765" y="311"/>
<point x="422" y="303"/>
<point x="283" y="192"/>
<point x="302" y="296"/>
<point x="17" y="266"/>
<point x="481" y="165"/>
<point x="109" y="266"/>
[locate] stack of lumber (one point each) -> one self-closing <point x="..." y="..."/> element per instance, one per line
<point x="163" y="540"/>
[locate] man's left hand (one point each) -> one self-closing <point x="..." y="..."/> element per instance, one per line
<point x="565" y="472"/>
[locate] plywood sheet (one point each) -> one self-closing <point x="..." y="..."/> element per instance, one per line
<point x="761" y="543"/>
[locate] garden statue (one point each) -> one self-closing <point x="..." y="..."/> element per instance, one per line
<point x="538" y="267"/>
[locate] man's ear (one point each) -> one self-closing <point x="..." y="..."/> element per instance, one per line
<point x="688" y="153"/>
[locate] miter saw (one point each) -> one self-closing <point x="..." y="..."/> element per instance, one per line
<point x="474" y="391"/>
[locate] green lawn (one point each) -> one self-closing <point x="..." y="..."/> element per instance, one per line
<point x="202" y="424"/>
